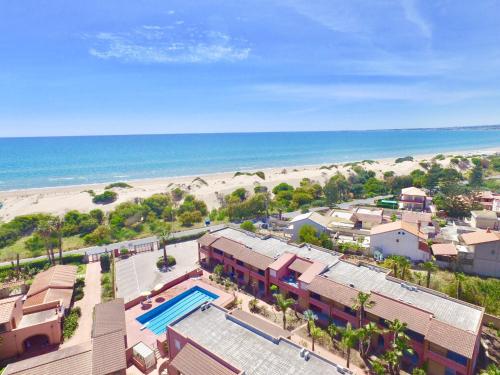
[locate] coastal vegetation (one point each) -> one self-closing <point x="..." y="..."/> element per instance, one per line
<point x="122" y="185"/>
<point x="105" y="198"/>
<point x="259" y="174"/>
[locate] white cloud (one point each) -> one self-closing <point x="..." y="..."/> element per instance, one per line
<point x="413" y="15"/>
<point x="162" y="44"/>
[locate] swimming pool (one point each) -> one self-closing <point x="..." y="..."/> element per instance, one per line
<point x="161" y="316"/>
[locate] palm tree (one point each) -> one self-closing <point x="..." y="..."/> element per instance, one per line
<point x="429" y="267"/>
<point x="45" y="231"/>
<point x="316" y="333"/>
<point x="459" y="279"/>
<point x="365" y="335"/>
<point x="163" y="235"/>
<point x="491" y="370"/>
<point x="391" y="263"/>
<point x="333" y="331"/>
<point x="56" y="225"/>
<point x="361" y="303"/>
<point x="310" y="317"/>
<point x="349" y="338"/>
<point x="419" y="277"/>
<point x="400" y="345"/>
<point x="283" y="304"/>
<point x="404" y="265"/>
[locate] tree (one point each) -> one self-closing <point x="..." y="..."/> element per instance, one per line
<point x="476" y="175"/>
<point x="459" y="279"/>
<point x="361" y="303"/>
<point x="404" y="265"/>
<point x="56" y="228"/>
<point x="333" y="331"/>
<point x="310" y="317"/>
<point x="349" y="339"/>
<point x="399" y="346"/>
<point x="105" y="262"/>
<point x="491" y="370"/>
<point x="336" y="189"/>
<point x="365" y="335"/>
<point x="283" y="304"/>
<point x="429" y="267"/>
<point x="45" y="232"/>
<point x="248" y="226"/>
<point x="315" y="333"/>
<point x="218" y="271"/>
<point x="163" y="235"/>
<point x="307" y="233"/>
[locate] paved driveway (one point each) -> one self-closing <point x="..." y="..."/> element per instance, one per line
<point x="139" y="273"/>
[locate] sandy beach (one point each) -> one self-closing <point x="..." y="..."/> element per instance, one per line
<point x="59" y="200"/>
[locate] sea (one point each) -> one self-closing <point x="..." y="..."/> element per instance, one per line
<point x="63" y="161"/>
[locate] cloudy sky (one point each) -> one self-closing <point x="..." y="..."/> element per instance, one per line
<point x="147" y="66"/>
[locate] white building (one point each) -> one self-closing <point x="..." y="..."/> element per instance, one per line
<point x="319" y="222"/>
<point x="413" y="199"/>
<point x="484" y="219"/>
<point x="483" y="248"/>
<point x="400" y="238"/>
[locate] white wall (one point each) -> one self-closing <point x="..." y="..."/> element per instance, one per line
<point x="398" y="242"/>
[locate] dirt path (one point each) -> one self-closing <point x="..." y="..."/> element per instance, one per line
<point x="92" y="297"/>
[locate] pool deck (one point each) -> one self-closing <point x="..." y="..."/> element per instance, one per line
<point x="134" y="333"/>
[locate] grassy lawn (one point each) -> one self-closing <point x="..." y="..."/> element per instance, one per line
<point x="9" y="252"/>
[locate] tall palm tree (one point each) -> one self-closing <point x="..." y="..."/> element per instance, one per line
<point x="349" y="338"/>
<point x="333" y="331"/>
<point x="56" y="225"/>
<point x="459" y="279"/>
<point x="45" y="232"/>
<point x="316" y="333"/>
<point x="310" y="317"/>
<point x="365" y="335"/>
<point x="390" y="262"/>
<point x="283" y="304"/>
<point x="429" y="267"/>
<point x="163" y="235"/>
<point x="400" y="345"/>
<point x="404" y="265"/>
<point x="361" y="303"/>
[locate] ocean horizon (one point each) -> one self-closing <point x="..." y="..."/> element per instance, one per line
<point x="78" y="160"/>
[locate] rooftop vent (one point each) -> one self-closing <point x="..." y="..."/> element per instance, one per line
<point x="302" y="352"/>
<point x="307" y="355"/>
<point x="351" y="285"/>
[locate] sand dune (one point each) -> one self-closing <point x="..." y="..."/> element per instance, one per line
<point x="59" y="200"/>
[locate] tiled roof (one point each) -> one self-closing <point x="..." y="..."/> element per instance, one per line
<point x="108" y="353"/>
<point x="413" y="191"/>
<point x="481" y="236"/>
<point x="60" y="276"/>
<point x="398" y="225"/>
<point x="74" y="360"/>
<point x="314" y="270"/>
<point x="373" y="216"/>
<point x="451" y="338"/>
<point x="109" y="317"/>
<point x="444" y="249"/>
<point x="6" y="308"/>
<point x="259" y="323"/>
<point x="281" y="261"/>
<point x="49" y="295"/>
<point x="415" y="217"/>
<point x="387" y="308"/>
<point x="242" y="253"/>
<point x="206" y="239"/>
<point x="333" y="290"/>
<point x="299" y="265"/>
<point x="192" y="361"/>
<point x="484" y="214"/>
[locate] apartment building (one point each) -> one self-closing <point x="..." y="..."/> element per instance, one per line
<point x="444" y="332"/>
<point x="413" y="199"/>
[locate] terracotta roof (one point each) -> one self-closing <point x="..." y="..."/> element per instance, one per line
<point x="451" y="338"/>
<point x="415" y="217"/>
<point x="398" y="225"/>
<point x="282" y="261"/>
<point x="49" y="295"/>
<point x="413" y="191"/>
<point x="7" y="307"/>
<point x="206" y="239"/>
<point x="333" y="290"/>
<point x="444" y="249"/>
<point x="314" y="270"/>
<point x="313" y="216"/>
<point x="60" y="276"/>
<point x="242" y="253"/>
<point x="109" y="317"/>
<point x="481" y="236"/>
<point x="299" y="265"/>
<point x="373" y="216"/>
<point x="259" y="323"/>
<point x="192" y="361"/>
<point x="108" y="353"/>
<point x="74" y="360"/>
<point x="387" y="308"/>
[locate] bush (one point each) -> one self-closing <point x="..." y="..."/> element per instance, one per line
<point x="406" y="158"/>
<point x="79" y="289"/>
<point x="19" y="226"/>
<point x="170" y="260"/>
<point x="188" y="218"/>
<point x="248" y="225"/>
<point x="124" y="252"/>
<point x="123" y="185"/>
<point x="71" y="322"/>
<point x="107" y="292"/>
<point x="105" y="261"/>
<point x="105" y="198"/>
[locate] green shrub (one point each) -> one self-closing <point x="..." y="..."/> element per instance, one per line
<point x="79" y="289"/>
<point x="105" y="198"/>
<point x="406" y="158"/>
<point x="20" y="226"/>
<point x="105" y="261"/>
<point x="123" y="185"/>
<point x="170" y="260"/>
<point x="248" y="225"/>
<point x="71" y="322"/>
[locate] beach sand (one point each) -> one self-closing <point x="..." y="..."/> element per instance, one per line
<point x="59" y="200"/>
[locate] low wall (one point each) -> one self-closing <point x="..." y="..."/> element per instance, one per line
<point x="194" y="273"/>
<point x="491" y="320"/>
<point x="40" y="307"/>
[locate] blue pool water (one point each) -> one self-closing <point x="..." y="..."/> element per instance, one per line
<point x="160" y="317"/>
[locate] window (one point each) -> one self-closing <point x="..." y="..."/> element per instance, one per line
<point x="457" y="358"/>
<point x="261" y="272"/>
<point x="415" y="336"/>
<point x="315" y="296"/>
<point x="3" y="328"/>
<point x="239" y="263"/>
<point x="350" y="311"/>
<point x="177" y="344"/>
<point x="218" y="252"/>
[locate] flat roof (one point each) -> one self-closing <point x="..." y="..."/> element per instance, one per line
<point x="247" y="348"/>
<point x="192" y="361"/>
<point x="274" y="247"/>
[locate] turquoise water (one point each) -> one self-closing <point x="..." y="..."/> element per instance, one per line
<point x="62" y="161"/>
<point x="160" y="317"/>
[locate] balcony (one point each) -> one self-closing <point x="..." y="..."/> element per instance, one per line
<point x="290" y="280"/>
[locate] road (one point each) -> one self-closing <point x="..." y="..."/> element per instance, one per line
<point x="129" y="243"/>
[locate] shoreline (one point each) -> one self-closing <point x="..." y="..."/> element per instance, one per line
<point x="60" y="199"/>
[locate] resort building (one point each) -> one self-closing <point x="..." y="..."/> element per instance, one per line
<point x="212" y="340"/>
<point x="400" y="238"/>
<point x="484" y="219"/>
<point x="480" y="253"/>
<point x="33" y="323"/>
<point x="490" y="201"/>
<point x="444" y="332"/>
<point x="103" y="355"/>
<point x="318" y="221"/>
<point x="413" y="199"/>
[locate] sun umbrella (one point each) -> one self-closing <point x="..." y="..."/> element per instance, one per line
<point x="158" y="287"/>
<point x="146" y="293"/>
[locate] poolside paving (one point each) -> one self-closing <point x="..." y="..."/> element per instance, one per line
<point x="139" y="273"/>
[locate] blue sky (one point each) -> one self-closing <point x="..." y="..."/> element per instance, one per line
<point x="147" y="66"/>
